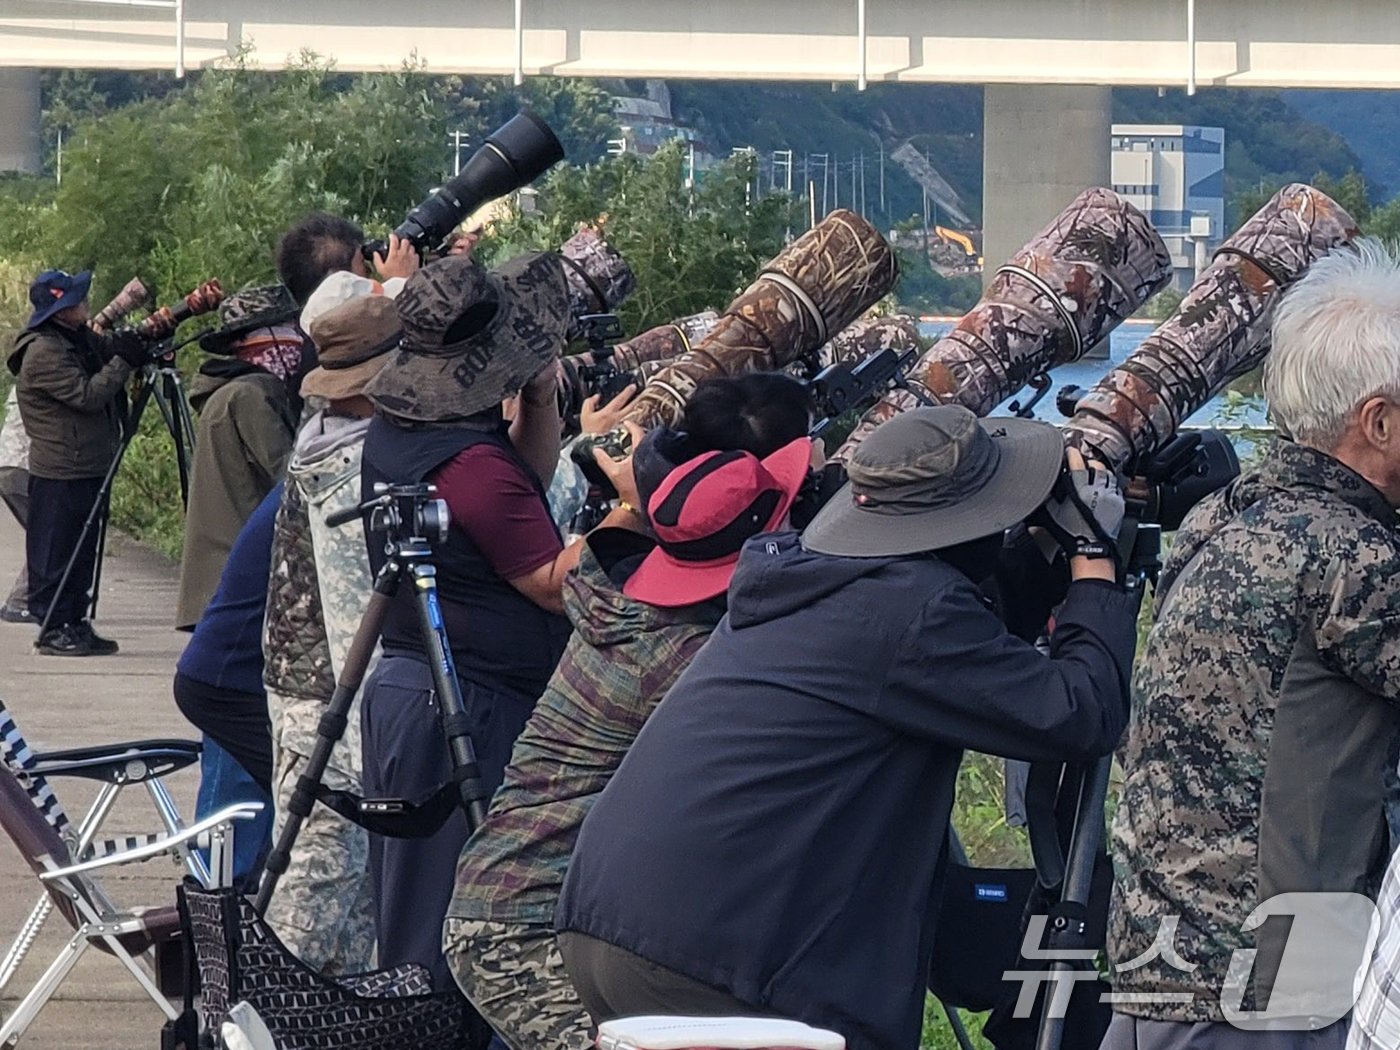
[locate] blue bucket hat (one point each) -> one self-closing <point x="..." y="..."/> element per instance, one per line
<point x="54" y="290"/>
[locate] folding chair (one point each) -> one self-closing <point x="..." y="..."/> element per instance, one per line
<point x="117" y="767"/>
<point x="126" y="933"/>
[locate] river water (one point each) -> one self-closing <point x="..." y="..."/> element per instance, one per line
<point x="1085" y="373"/>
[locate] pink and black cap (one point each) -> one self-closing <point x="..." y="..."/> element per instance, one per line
<point x="705" y="511"/>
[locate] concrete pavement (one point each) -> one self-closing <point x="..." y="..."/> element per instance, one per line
<point x="60" y="703"/>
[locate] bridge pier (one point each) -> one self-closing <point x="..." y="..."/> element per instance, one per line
<point x="1041" y="147"/>
<point x="20" y="149"/>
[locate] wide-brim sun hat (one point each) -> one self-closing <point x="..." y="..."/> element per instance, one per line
<point x="705" y="511"/>
<point x="55" y="290"/>
<point x="936" y="477"/>
<point x="353" y="341"/>
<point x="472" y="337"/>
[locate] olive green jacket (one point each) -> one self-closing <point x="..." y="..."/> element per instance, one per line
<point x="71" y="398"/>
<point x="246" y="425"/>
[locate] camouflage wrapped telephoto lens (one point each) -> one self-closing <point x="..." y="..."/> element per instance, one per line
<point x="1219" y="332"/>
<point x="866" y="336"/>
<point x="1086" y="272"/>
<point x="812" y="289"/>
<point x="639" y="358"/>
<point x="598" y="277"/>
<point x="132" y="295"/>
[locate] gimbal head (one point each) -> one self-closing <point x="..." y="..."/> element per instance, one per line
<point x="405" y="513"/>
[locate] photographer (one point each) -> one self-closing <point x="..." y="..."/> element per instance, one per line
<point x="321" y="244"/>
<point x="246" y="397"/>
<point x="70" y="388"/>
<point x="321" y="585"/>
<point x="772" y="844"/>
<point x="640" y="610"/>
<point x="471" y="339"/>
<point x="1260" y="759"/>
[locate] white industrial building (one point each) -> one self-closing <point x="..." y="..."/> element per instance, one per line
<point x="1176" y="174"/>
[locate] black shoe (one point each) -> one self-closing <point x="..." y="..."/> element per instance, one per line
<point x="100" y="646"/>
<point x="66" y="640"/>
<point x="11" y="612"/>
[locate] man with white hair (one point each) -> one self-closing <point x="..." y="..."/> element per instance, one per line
<point x="1263" y="730"/>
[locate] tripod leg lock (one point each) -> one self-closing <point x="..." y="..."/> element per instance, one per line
<point x="1067" y="928"/>
<point x="332" y="725"/>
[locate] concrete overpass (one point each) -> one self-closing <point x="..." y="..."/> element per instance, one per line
<point x="1051" y="61"/>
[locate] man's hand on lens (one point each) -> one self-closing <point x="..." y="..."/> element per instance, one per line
<point x="619" y="471"/>
<point x="463" y="242"/>
<point x="1085" y="510"/>
<point x="131" y="348"/>
<point x="595" y="420"/>
<point x="401" y="260"/>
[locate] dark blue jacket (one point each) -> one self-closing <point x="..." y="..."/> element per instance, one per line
<point x="777" y="828"/>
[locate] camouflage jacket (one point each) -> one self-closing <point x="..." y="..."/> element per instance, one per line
<point x="1261" y="746"/>
<point x="320" y="580"/>
<point x="622" y="658"/>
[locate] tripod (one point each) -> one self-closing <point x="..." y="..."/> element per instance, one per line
<point x="1067" y="936"/>
<point x="160" y="381"/>
<point x="408" y="514"/>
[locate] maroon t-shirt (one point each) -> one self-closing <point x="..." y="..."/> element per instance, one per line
<point x="497" y="505"/>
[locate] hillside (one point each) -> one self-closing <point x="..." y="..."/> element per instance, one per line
<point x="1271" y="137"/>
<point x="1268" y="138"/>
<point x="1369" y="121"/>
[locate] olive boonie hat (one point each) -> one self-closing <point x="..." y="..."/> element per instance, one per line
<point x="472" y="336"/>
<point x="261" y="306"/>
<point x="935" y="477"/>
<point x="352" y="343"/>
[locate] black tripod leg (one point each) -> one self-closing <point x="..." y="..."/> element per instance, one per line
<point x="456" y="727"/>
<point x="96" y="516"/>
<point x="330" y="729"/>
<point x="101" y="557"/>
<point x="1079" y="878"/>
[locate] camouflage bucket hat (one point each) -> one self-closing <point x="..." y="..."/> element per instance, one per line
<point x="261" y="306"/>
<point x="472" y="337"/>
<point x="932" y="478"/>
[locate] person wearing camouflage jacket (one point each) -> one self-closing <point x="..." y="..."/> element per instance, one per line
<point x="1262" y="745"/>
<point x="319" y="589"/>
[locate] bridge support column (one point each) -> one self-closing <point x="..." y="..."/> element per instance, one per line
<point x="20" y="149"/>
<point x="1041" y="147"/>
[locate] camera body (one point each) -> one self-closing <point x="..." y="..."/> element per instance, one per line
<point x="599" y="374"/>
<point x="1164" y="486"/>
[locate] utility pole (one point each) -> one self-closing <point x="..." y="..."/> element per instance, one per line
<point x="826" y="170"/>
<point x="836" y="184"/>
<point x="883" y="210"/>
<point x="459" y="139"/>
<point x="855" y="200"/>
<point x="863" y="184"/>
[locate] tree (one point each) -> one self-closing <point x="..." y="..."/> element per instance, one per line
<point x="690" y="250"/>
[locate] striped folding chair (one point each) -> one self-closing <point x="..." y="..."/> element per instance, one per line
<point x="116" y="767"/>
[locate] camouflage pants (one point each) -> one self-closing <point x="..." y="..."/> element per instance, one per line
<point x="323" y="910"/>
<point x="515" y="977"/>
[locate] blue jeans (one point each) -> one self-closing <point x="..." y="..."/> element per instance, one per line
<point x="223" y="782"/>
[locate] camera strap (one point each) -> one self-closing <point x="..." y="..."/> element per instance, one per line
<point x="599" y="299"/>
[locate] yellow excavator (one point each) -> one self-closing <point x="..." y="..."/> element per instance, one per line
<point x="962" y="240"/>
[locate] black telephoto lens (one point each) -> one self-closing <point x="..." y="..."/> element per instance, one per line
<point x="514" y="155"/>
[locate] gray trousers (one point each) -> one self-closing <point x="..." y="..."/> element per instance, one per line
<point x="1135" y="1033"/>
<point x="613" y="982"/>
<point x="14" y="491"/>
